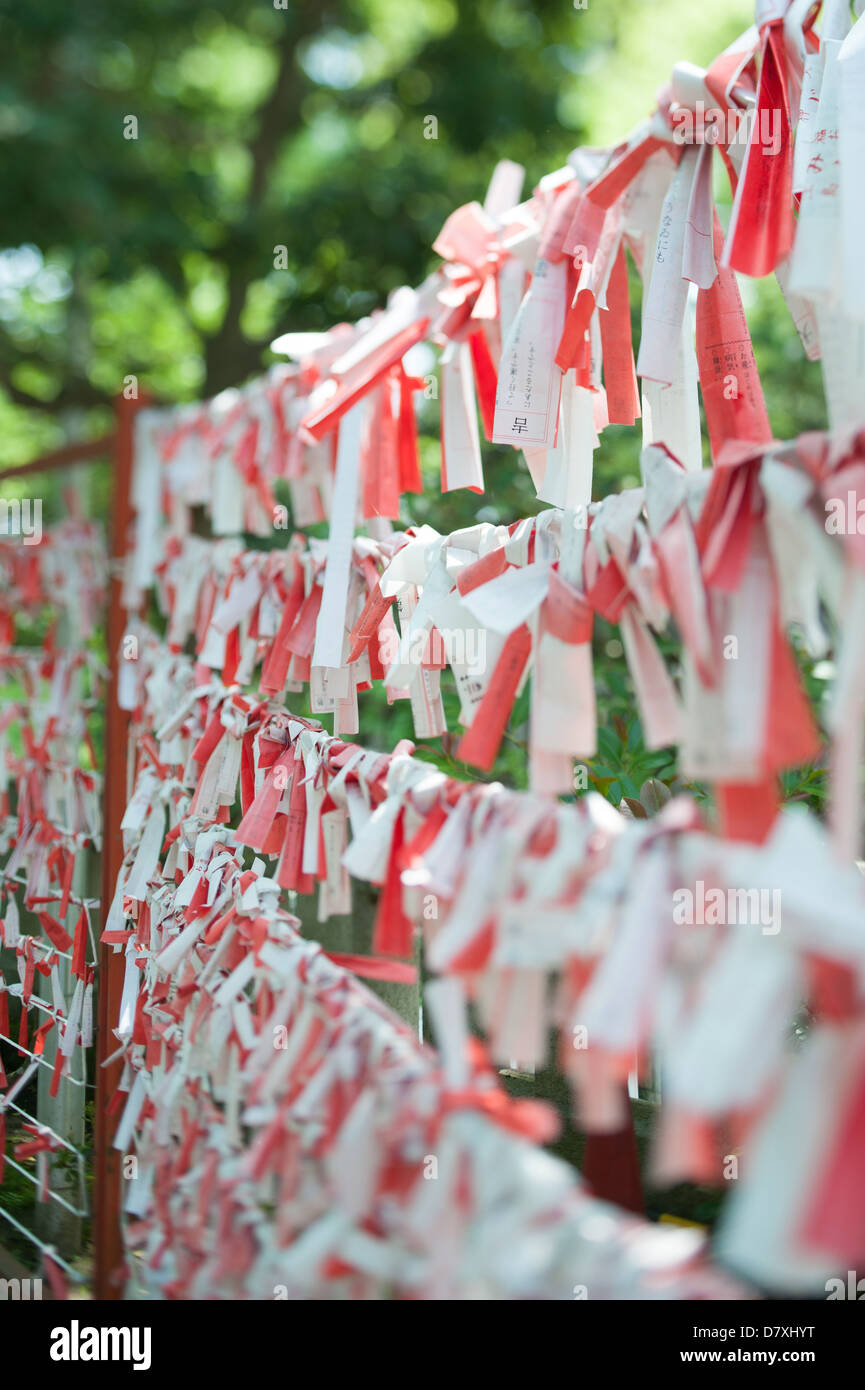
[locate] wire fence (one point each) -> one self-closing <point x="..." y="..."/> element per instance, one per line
<point x="50" y="795"/>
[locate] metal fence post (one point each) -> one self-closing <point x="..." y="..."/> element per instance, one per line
<point x="108" y="1277"/>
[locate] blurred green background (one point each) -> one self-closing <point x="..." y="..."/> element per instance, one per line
<point x="260" y="126"/>
<point x="300" y="126"/>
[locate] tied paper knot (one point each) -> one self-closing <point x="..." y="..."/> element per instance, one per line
<point x="761" y="230"/>
<point x="471" y="244"/>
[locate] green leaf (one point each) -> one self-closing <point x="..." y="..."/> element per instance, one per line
<point x="595" y="771"/>
<point x="609" y="745"/>
<point x="654" y="795"/>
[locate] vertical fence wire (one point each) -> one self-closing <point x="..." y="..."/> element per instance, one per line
<point x="51" y="593"/>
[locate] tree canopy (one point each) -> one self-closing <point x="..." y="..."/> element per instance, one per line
<point x="184" y="181"/>
<point x="160" y="154"/>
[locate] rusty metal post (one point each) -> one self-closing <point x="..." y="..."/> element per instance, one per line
<point x="611" y="1166"/>
<point x="107" y="1243"/>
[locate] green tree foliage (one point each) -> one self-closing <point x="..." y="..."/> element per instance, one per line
<point x="259" y="125"/>
<point x="156" y="154"/>
<point x="297" y="124"/>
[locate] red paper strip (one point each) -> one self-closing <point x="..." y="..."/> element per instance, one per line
<point x="572" y="348"/>
<point x="79" y="948"/>
<point x="762" y="224"/>
<point x="481" y="571"/>
<point x="486" y="379"/>
<point x="835" y="1218"/>
<point x="360" y="381"/>
<point x="392" y="933"/>
<point x="565" y="612"/>
<point x="617" y="350"/>
<point x="480" y="743"/>
<point x="747" y="810"/>
<point x="729" y="380"/>
<point x="374" y="612"/>
<point x="57" y="933"/>
<point x="409" y="460"/>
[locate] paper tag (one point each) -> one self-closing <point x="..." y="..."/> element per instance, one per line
<point x="527" y="398"/>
